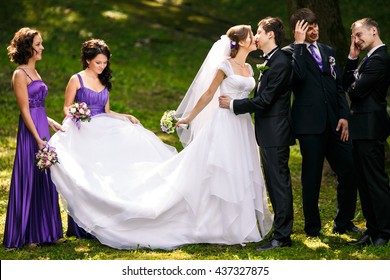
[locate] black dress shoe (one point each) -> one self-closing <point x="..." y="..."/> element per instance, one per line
<point x="342" y="230"/>
<point x="362" y="241"/>
<point x="380" y="242"/>
<point x="274" y="243"/>
<point x="314" y="235"/>
<point x="355" y="229"/>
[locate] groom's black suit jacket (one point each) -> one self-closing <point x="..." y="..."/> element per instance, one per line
<point x="271" y="104"/>
<point x="369" y="117"/>
<point x="273" y="127"/>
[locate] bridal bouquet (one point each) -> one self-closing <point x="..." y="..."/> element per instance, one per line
<point x="79" y="112"/>
<point x="46" y="157"/>
<point x="168" y="122"/>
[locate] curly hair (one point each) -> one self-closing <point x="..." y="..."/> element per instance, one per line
<point x="89" y="50"/>
<point x="21" y="48"/>
<point x="236" y="34"/>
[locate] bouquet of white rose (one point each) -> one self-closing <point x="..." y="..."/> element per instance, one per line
<point x="79" y="112"/>
<point x="168" y="122"/>
<point x="46" y="157"/>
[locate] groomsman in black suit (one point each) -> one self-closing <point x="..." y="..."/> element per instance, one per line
<point x="320" y="120"/>
<point x="271" y="105"/>
<point x="367" y="84"/>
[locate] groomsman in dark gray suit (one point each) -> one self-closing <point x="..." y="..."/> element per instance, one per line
<point x="320" y="120"/>
<point x="367" y="85"/>
<point x="271" y="105"/>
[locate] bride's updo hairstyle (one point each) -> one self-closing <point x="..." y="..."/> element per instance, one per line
<point x="89" y="50"/>
<point x="21" y="48"/>
<point x="236" y="34"/>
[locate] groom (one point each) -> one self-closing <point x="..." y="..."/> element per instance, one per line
<point x="271" y="105"/>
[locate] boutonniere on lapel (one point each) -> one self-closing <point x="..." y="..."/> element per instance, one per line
<point x="262" y="68"/>
<point x="332" y="62"/>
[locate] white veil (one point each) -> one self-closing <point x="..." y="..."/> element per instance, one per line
<point x="218" y="52"/>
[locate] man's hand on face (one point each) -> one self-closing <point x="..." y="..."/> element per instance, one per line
<point x="300" y="30"/>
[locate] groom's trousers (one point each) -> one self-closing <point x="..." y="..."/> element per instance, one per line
<point x="279" y="187"/>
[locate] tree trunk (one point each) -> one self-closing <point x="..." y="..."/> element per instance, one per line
<point x="330" y="23"/>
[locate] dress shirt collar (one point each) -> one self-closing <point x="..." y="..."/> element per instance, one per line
<point x="268" y="55"/>
<point x="314" y="43"/>
<point x="316" y="48"/>
<point x="374" y="49"/>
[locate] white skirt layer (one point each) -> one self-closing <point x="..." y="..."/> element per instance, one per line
<point x="130" y="190"/>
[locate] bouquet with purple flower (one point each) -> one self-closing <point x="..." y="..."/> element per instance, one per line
<point x="168" y="122"/>
<point x="46" y="157"/>
<point x="79" y="112"/>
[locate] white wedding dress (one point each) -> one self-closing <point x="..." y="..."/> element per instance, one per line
<point x="123" y="185"/>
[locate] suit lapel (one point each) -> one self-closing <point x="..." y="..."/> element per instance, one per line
<point x="361" y="66"/>
<point x="269" y="63"/>
<point x="324" y="58"/>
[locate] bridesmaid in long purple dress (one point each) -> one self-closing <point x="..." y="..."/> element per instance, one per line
<point x="33" y="214"/>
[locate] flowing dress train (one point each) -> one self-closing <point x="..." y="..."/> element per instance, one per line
<point x="130" y="190"/>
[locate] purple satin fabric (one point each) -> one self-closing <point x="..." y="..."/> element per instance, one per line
<point x="96" y="102"/>
<point x="33" y="213"/>
<point x="315" y="56"/>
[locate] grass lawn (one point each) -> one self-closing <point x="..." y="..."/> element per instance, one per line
<point x="157" y="50"/>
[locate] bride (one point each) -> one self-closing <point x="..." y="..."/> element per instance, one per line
<point x="123" y="185"/>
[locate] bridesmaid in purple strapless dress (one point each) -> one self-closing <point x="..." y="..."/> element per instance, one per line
<point x="33" y="213"/>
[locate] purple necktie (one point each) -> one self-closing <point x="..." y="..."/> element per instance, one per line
<point x="363" y="60"/>
<point x="356" y="72"/>
<point x="315" y="56"/>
